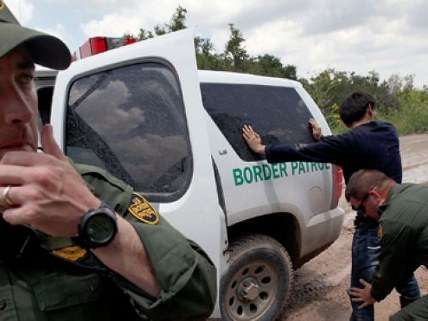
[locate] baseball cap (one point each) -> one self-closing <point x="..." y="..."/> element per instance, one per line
<point x="46" y="50"/>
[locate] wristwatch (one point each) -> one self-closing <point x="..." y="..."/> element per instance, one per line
<point x="97" y="227"/>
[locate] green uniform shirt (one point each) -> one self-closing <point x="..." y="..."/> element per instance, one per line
<point x="37" y="285"/>
<point x="404" y="236"/>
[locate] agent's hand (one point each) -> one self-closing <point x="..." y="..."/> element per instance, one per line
<point x="46" y="192"/>
<point x="363" y="295"/>
<point x="315" y="128"/>
<point x="253" y="140"/>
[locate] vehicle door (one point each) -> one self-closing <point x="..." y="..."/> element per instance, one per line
<point x="136" y="111"/>
<point x="277" y="111"/>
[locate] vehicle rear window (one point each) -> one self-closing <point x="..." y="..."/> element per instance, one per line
<point x="278" y="114"/>
<point x="131" y="121"/>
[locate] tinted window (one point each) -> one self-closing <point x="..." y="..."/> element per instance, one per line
<point x="131" y="122"/>
<point x="277" y="113"/>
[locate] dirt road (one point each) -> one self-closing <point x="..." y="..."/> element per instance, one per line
<point x="320" y="286"/>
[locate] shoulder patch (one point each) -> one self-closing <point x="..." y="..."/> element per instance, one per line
<point x="70" y="253"/>
<point x="1" y="4"/>
<point x="141" y="209"/>
<point x="380" y="232"/>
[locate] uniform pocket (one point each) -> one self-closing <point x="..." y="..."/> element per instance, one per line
<point x="56" y="291"/>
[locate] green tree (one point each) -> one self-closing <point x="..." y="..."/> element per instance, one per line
<point x="235" y="51"/>
<point x="204" y="46"/>
<point x="397" y="98"/>
<point x="269" y="65"/>
<point x="206" y="57"/>
<point x="178" y="20"/>
<point x="234" y="58"/>
<point x="144" y="34"/>
<point x="160" y="30"/>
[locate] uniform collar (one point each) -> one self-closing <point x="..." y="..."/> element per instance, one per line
<point x="393" y="193"/>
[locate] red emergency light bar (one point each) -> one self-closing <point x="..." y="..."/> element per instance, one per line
<point x="96" y="45"/>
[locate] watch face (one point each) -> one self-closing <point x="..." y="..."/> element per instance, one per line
<point x="100" y="228"/>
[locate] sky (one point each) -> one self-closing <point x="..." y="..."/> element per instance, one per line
<point x="388" y="36"/>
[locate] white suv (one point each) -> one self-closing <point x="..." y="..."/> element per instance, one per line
<point x="144" y="113"/>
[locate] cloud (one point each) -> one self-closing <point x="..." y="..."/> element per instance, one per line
<point x="112" y="25"/>
<point x="278" y="38"/>
<point x="385" y="35"/>
<point x="329" y="16"/>
<point x="151" y="162"/>
<point x="22" y="9"/>
<point x="417" y="15"/>
<point x="373" y="43"/>
<point x="59" y="31"/>
<point x="97" y="4"/>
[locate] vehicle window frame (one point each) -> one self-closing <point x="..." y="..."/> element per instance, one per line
<point x="160" y="197"/>
<point x="247" y="155"/>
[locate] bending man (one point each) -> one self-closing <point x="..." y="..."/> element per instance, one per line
<point x="401" y="210"/>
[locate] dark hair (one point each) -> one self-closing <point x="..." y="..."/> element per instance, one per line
<point x="354" y="107"/>
<point x="362" y="181"/>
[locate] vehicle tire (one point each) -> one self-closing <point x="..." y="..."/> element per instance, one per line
<point x="258" y="281"/>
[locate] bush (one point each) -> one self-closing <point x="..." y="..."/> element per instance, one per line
<point x="412" y="117"/>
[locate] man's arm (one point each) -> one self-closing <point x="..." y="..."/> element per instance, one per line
<point x="159" y="270"/>
<point x="396" y="243"/>
<point x="126" y="256"/>
<point x="186" y="275"/>
<point x="331" y="149"/>
<point x="50" y="196"/>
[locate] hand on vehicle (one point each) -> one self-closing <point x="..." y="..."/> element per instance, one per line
<point x="316" y="129"/>
<point x="253" y="139"/>
<point x="363" y="295"/>
<point x="46" y="192"/>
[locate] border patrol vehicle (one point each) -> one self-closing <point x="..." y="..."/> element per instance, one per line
<point x="147" y="115"/>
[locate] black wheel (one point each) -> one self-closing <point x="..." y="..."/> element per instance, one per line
<point x="258" y="281"/>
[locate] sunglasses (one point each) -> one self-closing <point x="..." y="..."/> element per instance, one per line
<point x="361" y="206"/>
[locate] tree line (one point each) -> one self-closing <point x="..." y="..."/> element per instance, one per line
<point x="398" y="100"/>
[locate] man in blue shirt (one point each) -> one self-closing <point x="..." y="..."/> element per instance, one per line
<point x="369" y="144"/>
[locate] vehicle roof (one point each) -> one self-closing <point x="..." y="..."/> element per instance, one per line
<point x="210" y="76"/>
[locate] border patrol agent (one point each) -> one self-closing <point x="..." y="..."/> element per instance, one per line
<point x="401" y="210"/>
<point x="73" y="248"/>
